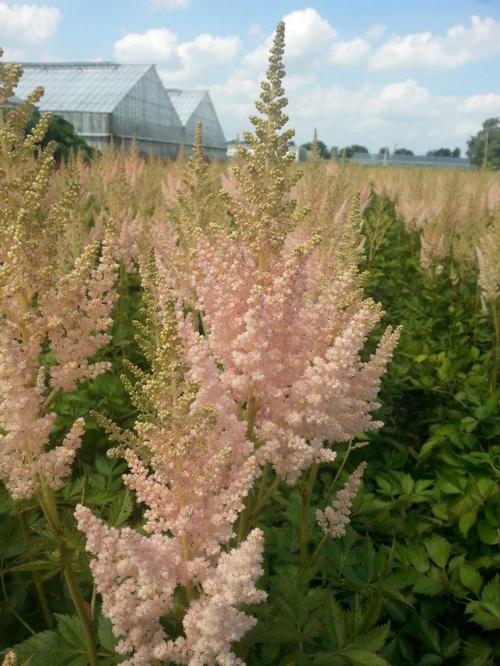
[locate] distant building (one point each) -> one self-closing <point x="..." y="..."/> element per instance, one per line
<point x="412" y="160"/>
<point x="232" y="147"/>
<point x="194" y="106"/>
<point x="108" y="102"/>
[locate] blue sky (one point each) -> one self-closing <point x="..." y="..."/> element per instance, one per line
<point x="417" y="74"/>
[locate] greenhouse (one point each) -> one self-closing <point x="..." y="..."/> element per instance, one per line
<point x="107" y="102"/>
<point x="194" y="106"/>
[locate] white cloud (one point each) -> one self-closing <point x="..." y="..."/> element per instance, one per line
<point x="307" y="35"/>
<point x="402" y="112"/>
<point x="350" y="52"/>
<point x="255" y="30"/>
<point x="23" y="25"/>
<point x="487" y="104"/>
<point x="460" y="45"/>
<point x="155" y="45"/>
<point x="375" y="31"/>
<point x="169" y="4"/>
<point x="178" y="61"/>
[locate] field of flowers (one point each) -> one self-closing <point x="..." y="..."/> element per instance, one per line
<point x="248" y="413"/>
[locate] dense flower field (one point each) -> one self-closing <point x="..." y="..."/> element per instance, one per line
<point x="248" y="413"/>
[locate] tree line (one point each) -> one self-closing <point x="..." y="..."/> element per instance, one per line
<point x="483" y="149"/>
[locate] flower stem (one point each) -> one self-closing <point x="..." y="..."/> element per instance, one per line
<point x="42" y="599"/>
<point x="304" y="514"/>
<point x="49" y="508"/>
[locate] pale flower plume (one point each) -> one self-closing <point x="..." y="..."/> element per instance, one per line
<point x="286" y="328"/>
<point x="191" y="465"/>
<point x="42" y="307"/>
<point x="10" y="659"/>
<point x="488" y="259"/>
<point x="267" y="370"/>
<point x="334" y="519"/>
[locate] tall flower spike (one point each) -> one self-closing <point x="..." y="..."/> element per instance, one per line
<point x="285" y="326"/>
<point x="191" y="465"/>
<point x="265" y="213"/>
<point x="43" y="303"/>
<point x="334" y="519"/>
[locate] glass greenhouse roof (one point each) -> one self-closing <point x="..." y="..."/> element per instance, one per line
<point x="185" y="102"/>
<point x="94" y="87"/>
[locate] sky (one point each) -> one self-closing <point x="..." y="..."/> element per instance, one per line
<point x="416" y="74"/>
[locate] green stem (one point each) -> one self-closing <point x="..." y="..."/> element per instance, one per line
<point x="495" y="310"/>
<point x="304" y="515"/>
<point x="49" y="508"/>
<point x="49" y="400"/>
<point x="318" y="549"/>
<point x="339" y="471"/>
<point x="259" y="505"/>
<point x="42" y="599"/>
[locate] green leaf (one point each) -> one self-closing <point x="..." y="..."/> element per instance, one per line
<point x="487" y="534"/>
<point x="374" y="640"/>
<point x="470" y="578"/>
<point x="431" y="584"/>
<point x="466" y="521"/>
<point x="121" y="509"/>
<point x="62" y="647"/>
<point x="486" y="612"/>
<point x="417" y="557"/>
<point x="105" y="633"/>
<point x="491" y="593"/>
<point x="362" y="658"/>
<point x="335" y="622"/>
<point x="439" y="550"/>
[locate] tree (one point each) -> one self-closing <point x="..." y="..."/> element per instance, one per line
<point x="64" y="135"/>
<point x="403" y="151"/>
<point x="483" y="149"/>
<point x="384" y="151"/>
<point x="444" y="152"/>
<point x="324" y="153"/>
<point x="349" y="151"/>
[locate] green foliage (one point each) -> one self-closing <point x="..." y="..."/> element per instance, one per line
<point x="413" y="583"/>
<point x="349" y="151"/>
<point x="324" y="153"/>
<point x="444" y="152"/>
<point x="64" y="646"/>
<point x="483" y="149"/>
<point x="60" y="131"/>
<point x="432" y="483"/>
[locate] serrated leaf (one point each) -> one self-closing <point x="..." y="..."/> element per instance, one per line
<point x="121" y="508"/>
<point x="439" y="550"/>
<point x="61" y="647"/>
<point x="335" y="622"/>
<point x="361" y="658"/>
<point x="431" y="584"/>
<point x="105" y="633"/>
<point x="417" y="557"/>
<point x="374" y="640"/>
<point x="466" y="521"/>
<point x="470" y="578"/>
<point x="488" y="534"/>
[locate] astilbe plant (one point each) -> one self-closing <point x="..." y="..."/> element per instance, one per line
<point x="42" y="309"/>
<point x="52" y="322"/>
<point x="259" y="369"/>
<point x="287" y="330"/>
<point x="191" y="465"/>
